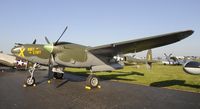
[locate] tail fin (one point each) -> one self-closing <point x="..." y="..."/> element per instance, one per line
<point x="149" y="56"/>
<point x="149" y="59"/>
<point x="168" y="57"/>
<point x="34" y="42"/>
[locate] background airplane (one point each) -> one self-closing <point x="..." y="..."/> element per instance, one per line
<point x="66" y="54"/>
<point x="174" y="60"/>
<point x="13" y="62"/>
<point x="8" y="61"/>
<point x="192" y="67"/>
<point x="189" y="66"/>
<point x="132" y="60"/>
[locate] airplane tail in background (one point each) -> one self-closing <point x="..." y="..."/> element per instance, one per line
<point x="149" y="59"/>
<point x="149" y="56"/>
<point x="168" y="57"/>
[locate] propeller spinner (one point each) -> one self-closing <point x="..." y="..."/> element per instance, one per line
<point x="50" y="48"/>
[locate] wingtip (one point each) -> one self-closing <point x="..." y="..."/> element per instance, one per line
<point x="190" y="31"/>
<point x="187" y="33"/>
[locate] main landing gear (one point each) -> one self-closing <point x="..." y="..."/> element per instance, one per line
<point x="92" y="82"/>
<point x="58" y="75"/>
<point x="57" y="72"/>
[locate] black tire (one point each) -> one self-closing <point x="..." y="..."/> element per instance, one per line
<point x="29" y="81"/>
<point x="58" y="75"/>
<point x="92" y="81"/>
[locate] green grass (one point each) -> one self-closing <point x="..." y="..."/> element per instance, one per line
<point x="172" y="77"/>
<point x="198" y="60"/>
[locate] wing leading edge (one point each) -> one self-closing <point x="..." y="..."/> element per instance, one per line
<point x="138" y="45"/>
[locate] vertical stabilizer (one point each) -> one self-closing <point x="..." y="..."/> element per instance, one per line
<point x="149" y="59"/>
<point x="149" y="56"/>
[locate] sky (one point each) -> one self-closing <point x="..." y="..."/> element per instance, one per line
<point x="98" y="22"/>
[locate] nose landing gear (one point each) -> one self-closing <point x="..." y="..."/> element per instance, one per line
<point x="30" y="81"/>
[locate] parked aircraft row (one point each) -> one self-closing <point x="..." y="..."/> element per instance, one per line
<point x="175" y="60"/>
<point x="189" y="66"/>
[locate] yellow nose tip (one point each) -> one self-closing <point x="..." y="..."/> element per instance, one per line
<point x="49" y="47"/>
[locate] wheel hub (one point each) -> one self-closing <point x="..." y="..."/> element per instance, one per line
<point x="94" y="81"/>
<point x="30" y="81"/>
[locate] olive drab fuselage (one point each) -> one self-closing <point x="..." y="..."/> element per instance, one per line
<point x="66" y="54"/>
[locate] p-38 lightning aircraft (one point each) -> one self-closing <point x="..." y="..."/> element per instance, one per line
<point x="59" y="55"/>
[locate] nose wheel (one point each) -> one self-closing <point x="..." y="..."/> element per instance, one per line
<point x="30" y="81"/>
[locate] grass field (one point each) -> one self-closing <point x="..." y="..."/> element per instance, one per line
<point x="172" y="77"/>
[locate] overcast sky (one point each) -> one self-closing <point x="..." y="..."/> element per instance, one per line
<point x="97" y="22"/>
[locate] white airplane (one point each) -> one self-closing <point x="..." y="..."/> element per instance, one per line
<point x="174" y="60"/>
<point x="192" y="67"/>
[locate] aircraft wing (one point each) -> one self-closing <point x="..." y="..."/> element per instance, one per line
<point x="138" y="45"/>
<point x="7" y="60"/>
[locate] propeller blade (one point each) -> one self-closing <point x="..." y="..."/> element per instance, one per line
<point x="50" y="73"/>
<point x="49" y="47"/>
<point x="61" y="35"/>
<point x="47" y="40"/>
<point x="34" y="42"/>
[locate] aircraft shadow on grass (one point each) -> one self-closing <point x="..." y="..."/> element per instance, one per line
<point x="172" y="83"/>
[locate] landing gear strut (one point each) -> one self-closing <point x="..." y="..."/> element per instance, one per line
<point x="30" y="81"/>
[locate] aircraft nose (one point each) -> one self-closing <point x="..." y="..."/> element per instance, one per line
<point x="15" y="50"/>
<point x="49" y="47"/>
